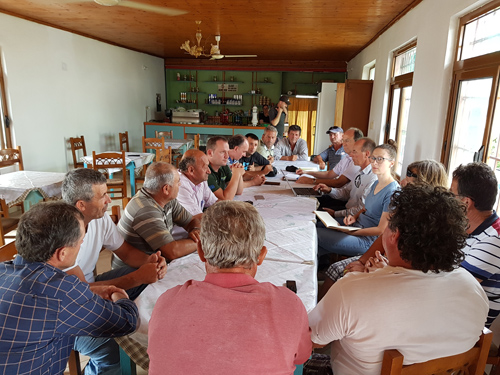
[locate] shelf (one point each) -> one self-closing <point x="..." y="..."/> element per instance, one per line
<point x="264" y="83"/>
<point x="223" y="82"/>
<point x="306" y="84"/>
<point x="186" y="103"/>
<point x="194" y="92"/>
<point x="187" y="81"/>
<point x="227" y="105"/>
<point x="247" y="93"/>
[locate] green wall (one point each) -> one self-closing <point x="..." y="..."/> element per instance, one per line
<point x="304" y="83"/>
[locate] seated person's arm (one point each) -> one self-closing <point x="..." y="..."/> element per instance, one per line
<point x="374" y="231"/>
<point x="232" y="187"/>
<point x="255" y="181"/>
<point x="324" y="175"/>
<point x="302" y="152"/>
<point x="177" y="249"/>
<point x="257" y="170"/>
<point x="318" y="159"/>
<point x="289" y="158"/>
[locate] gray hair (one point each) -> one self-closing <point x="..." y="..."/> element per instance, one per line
<point x="358" y="134"/>
<point x="77" y="184"/>
<point x="186" y="162"/>
<point x="158" y="175"/>
<point x="232" y="235"/>
<point x="46" y="227"/>
<point x="271" y="128"/>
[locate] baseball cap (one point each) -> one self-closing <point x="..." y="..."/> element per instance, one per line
<point x="284" y="98"/>
<point x="334" y="129"/>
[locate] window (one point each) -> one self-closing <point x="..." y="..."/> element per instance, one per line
<point x="473" y="122"/>
<point x="400" y="98"/>
<point x="5" y="137"/>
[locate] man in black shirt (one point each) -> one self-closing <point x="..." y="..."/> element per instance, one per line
<point x="254" y="163"/>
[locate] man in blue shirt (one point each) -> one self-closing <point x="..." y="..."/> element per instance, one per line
<point x="42" y="309"/>
<point x="335" y="152"/>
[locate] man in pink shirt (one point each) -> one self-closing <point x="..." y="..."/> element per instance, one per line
<point x="229" y="323"/>
<point x="194" y="194"/>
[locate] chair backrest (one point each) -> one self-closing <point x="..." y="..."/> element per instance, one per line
<point x="197" y="141"/>
<point x="164" y="155"/>
<point x="8" y="251"/>
<point x="471" y="362"/>
<point x="107" y="160"/>
<point x="116" y="214"/>
<point x="152" y="144"/>
<point x="11" y="156"/>
<point x="77" y="143"/>
<point x="124" y="141"/>
<point x="164" y="134"/>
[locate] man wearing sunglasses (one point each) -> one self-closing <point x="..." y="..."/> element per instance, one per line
<point x="356" y="190"/>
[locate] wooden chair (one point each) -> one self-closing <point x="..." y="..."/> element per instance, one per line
<point x="112" y="160"/>
<point x="123" y="141"/>
<point x="164" y="134"/>
<point x="77" y="143"/>
<point x="152" y="144"/>
<point x="116" y="214"/>
<point x="494" y="359"/>
<point x="8" y="252"/>
<point x="11" y="156"/>
<point x="164" y="155"/>
<point x="8" y="223"/>
<point x="197" y="141"/>
<point x="471" y="362"/>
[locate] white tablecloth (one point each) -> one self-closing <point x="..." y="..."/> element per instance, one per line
<point x="15" y="186"/>
<point x="178" y="143"/>
<point x="290" y="239"/>
<point x="139" y="159"/>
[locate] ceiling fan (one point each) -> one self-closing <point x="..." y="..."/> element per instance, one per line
<point x="140" y="6"/>
<point x="197" y="50"/>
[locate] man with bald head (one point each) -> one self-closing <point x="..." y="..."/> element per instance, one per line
<point x="150" y="215"/>
<point x="194" y="193"/>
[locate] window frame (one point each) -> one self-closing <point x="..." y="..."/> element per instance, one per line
<point x="5" y="132"/>
<point x="473" y="68"/>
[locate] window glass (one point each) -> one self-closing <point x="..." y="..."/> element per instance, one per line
<point x="405" y="62"/>
<point x="482" y="36"/>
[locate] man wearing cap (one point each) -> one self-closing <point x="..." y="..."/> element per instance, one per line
<point x="335" y="152"/>
<point x="278" y="115"/>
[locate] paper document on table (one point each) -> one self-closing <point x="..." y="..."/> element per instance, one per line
<point x="331" y="223"/>
<point x="294" y="177"/>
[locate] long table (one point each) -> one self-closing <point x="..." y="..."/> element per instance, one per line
<point x="291" y="243"/>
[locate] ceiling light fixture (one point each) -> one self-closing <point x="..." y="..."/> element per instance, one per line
<point x="195" y="50"/>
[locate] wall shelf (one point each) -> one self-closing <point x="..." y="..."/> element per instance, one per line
<point x="223" y="82"/>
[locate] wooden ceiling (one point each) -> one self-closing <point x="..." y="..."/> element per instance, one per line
<point x="314" y="32"/>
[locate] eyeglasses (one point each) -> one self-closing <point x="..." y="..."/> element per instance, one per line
<point x="379" y="159"/>
<point x="410" y="174"/>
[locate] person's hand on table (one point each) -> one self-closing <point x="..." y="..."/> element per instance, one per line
<point x="305" y="180"/>
<point x="161" y="264"/>
<point x="374" y="263"/>
<point x="194" y="234"/>
<point x="258" y="180"/>
<point x="349" y="220"/>
<point x="323" y="188"/>
<point x="294" y="157"/>
<point x="238" y="171"/>
<point x="106" y="291"/>
<point x="299" y="171"/>
<point x="355" y="266"/>
<point x="271" y="159"/>
<point x="322" y="165"/>
<point x="147" y="273"/>
<point x="251" y="167"/>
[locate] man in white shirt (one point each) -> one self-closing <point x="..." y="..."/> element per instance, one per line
<point x="343" y="172"/>
<point x="292" y="147"/>
<point x="194" y="194"/>
<point x="421" y="303"/>
<point x="86" y="190"/>
<point x="355" y="191"/>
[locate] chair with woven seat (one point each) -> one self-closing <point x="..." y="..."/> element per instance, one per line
<point x="112" y="160"/>
<point x="77" y="143"/>
<point x="123" y="137"/>
<point x="152" y="145"/>
<point x="11" y="156"/>
<point x="164" y="134"/>
<point x="471" y="362"/>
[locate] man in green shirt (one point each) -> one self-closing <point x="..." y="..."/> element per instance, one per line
<point x="226" y="182"/>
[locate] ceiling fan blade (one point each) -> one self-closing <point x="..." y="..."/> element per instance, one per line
<point x="152" y="8"/>
<point x="240" y="55"/>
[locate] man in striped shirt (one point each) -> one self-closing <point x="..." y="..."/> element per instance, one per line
<point x="150" y="216"/>
<point x="475" y="184"/>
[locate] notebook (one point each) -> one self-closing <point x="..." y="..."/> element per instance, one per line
<point x="331" y="223"/>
